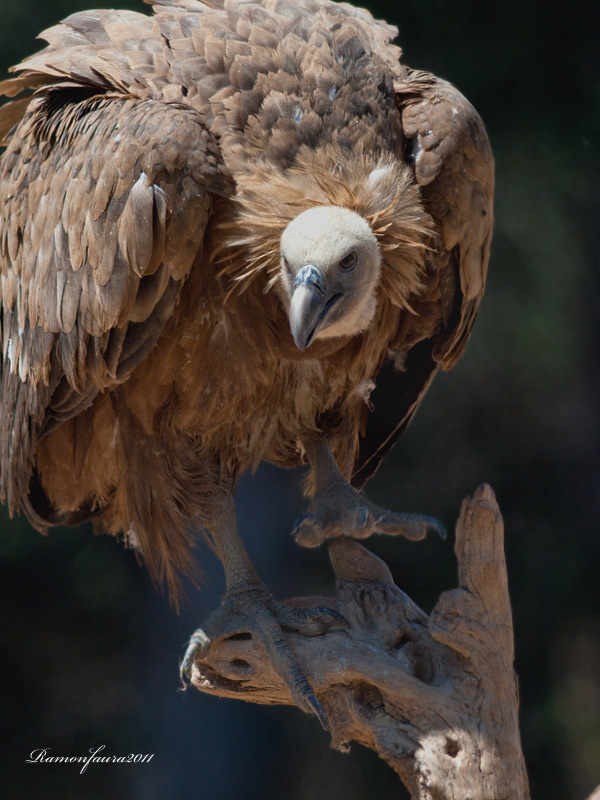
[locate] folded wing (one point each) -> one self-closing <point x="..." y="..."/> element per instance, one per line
<point x="448" y="149"/>
<point x="104" y="201"/>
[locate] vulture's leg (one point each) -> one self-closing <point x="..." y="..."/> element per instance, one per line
<point x="249" y="609"/>
<point x="337" y="509"/>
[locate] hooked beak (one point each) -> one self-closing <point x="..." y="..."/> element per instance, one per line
<point x="309" y="305"/>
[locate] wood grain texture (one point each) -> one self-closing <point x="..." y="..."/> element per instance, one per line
<point x="435" y="696"/>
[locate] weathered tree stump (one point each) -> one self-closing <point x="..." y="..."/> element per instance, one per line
<point x="435" y="696"/>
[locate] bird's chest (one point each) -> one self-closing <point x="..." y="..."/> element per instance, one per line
<point x="239" y="389"/>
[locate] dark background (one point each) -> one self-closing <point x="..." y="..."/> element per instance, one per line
<point x="90" y="650"/>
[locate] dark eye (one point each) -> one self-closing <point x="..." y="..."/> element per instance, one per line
<point x="348" y="262"/>
<point x="287" y="267"/>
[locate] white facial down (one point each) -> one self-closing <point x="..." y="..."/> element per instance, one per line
<point x="330" y="267"/>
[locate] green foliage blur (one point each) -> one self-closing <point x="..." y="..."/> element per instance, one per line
<point x="90" y="649"/>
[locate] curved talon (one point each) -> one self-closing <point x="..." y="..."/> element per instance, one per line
<point x="435" y="526"/>
<point x="197" y="646"/>
<point x="318" y="709"/>
<point x="300" y="686"/>
<point x="363" y="517"/>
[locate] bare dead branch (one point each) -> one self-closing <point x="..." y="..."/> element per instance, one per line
<point x="435" y="696"/>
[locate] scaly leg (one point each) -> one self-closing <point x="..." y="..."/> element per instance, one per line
<point x="337" y="509"/>
<point x="248" y="608"/>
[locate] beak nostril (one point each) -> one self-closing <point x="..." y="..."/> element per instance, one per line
<point x="310" y="275"/>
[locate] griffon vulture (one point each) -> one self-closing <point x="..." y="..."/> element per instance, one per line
<point x="222" y="226"/>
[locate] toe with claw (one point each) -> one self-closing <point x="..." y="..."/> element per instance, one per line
<point x="338" y="509"/>
<point x="197" y="647"/>
<point x="342" y="511"/>
<point x="254" y="613"/>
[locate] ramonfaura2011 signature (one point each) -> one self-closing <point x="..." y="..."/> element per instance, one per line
<point x="42" y="756"/>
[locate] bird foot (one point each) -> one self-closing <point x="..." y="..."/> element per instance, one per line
<point x="342" y="511"/>
<point x="253" y="613"/>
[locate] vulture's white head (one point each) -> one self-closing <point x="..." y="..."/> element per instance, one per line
<point x="330" y="267"/>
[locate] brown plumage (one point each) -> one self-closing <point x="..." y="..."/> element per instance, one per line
<point x="144" y="190"/>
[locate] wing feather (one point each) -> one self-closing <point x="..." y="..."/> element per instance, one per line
<point x="448" y="148"/>
<point x="103" y="208"/>
<point x="454" y="167"/>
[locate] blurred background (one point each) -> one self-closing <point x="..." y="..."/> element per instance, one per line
<point x="90" y="650"/>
